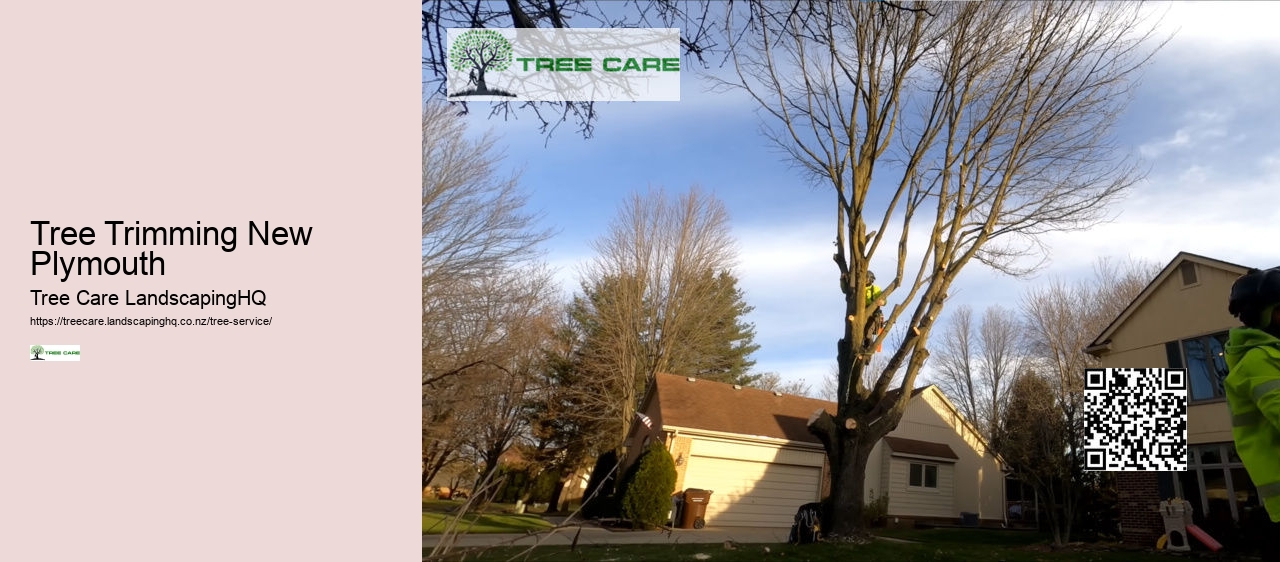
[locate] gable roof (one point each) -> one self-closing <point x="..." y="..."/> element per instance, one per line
<point x="1098" y="344"/>
<point x="920" y="448"/>
<point x="694" y="403"/>
<point x="967" y="423"/>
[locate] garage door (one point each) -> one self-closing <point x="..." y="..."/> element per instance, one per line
<point x="752" y="493"/>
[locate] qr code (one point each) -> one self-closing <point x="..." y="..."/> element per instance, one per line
<point x="1135" y="419"/>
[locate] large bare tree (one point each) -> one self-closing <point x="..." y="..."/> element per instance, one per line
<point x="975" y="369"/>
<point x="517" y="323"/>
<point x="948" y="133"/>
<point x="481" y="278"/>
<point x="660" y="297"/>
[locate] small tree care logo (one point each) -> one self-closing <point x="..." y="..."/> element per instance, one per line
<point x="54" y="352"/>
<point x="479" y="51"/>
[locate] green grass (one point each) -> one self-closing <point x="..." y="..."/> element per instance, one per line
<point x="495" y="518"/>
<point x="937" y="545"/>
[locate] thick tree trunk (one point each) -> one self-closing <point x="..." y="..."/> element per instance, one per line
<point x="487" y="483"/>
<point x="853" y="431"/>
<point x="434" y="461"/>
<point x="553" y="505"/>
<point x="848" y="485"/>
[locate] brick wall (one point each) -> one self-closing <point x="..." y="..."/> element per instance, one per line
<point x="1139" y="498"/>
<point x="680" y="453"/>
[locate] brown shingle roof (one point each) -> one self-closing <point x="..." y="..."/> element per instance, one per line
<point x="922" y="448"/>
<point x="716" y="406"/>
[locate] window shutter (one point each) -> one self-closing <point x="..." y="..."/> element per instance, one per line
<point x="1164" y="481"/>
<point x="1173" y="352"/>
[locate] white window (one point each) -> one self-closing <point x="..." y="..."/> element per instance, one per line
<point x="923" y="476"/>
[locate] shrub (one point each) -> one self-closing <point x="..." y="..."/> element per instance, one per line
<point x="514" y="480"/>
<point x="519" y="481"/>
<point x="646" y="496"/>
<point x="876" y="512"/>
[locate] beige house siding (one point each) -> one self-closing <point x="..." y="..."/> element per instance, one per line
<point x="1174" y="312"/>
<point x="907" y="501"/>
<point x="876" y="482"/>
<point x="1209" y="422"/>
<point x="1152" y="355"/>
<point x="776" y="453"/>
<point x="884" y="472"/>
<point x="933" y="419"/>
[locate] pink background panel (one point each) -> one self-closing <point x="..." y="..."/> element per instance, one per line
<point x="295" y="441"/>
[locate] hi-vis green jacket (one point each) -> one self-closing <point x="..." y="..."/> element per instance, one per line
<point x="1253" y="394"/>
<point x="873" y="296"/>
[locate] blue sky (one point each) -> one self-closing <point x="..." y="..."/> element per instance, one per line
<point x="1204" y="119"/>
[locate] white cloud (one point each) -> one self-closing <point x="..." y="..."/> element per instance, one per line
<point x="1270" y="164"/>
<point x="1214" y="28"/>
<point x="792" y="285"/>
<point x="1195" y="209"/>
<point x="1199" y="127"/>
<point x="1194" y="175"/>
<point x="566" y="268"/>
<point x="1156" y="148"/>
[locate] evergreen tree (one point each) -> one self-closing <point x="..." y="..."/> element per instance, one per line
<point x="1032" y="438"/>
<point x="725" y="355"/>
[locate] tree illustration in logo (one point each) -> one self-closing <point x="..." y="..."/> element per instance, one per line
<point x="480" y="51"/>
<point x="37" y="350"/>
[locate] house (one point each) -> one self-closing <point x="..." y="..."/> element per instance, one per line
<point x="1180" y="320"/>
<point x="753" y="449"/>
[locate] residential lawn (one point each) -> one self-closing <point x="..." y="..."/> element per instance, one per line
<point x="448" y="506"/>
<point x="984" y="537"/>
<point x="938" y="545"/>
<point x="495" y="518"/>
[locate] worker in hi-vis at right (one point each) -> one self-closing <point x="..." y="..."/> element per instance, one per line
<point x="1253" y="389"/>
